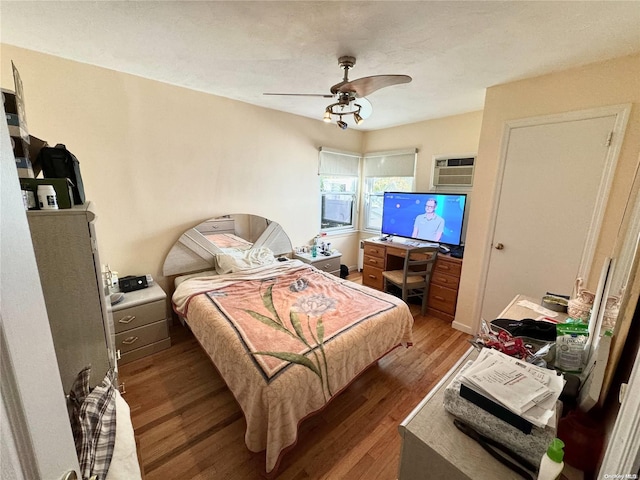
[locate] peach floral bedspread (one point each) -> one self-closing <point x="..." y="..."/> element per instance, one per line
<point x="286" y="339"/>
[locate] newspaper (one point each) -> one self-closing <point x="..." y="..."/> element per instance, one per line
<point x="524" y="389"/>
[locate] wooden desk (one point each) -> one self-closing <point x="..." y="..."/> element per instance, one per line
<point x="445" y="279"/>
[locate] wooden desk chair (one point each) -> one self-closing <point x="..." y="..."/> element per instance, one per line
<point x="413" y="280"/>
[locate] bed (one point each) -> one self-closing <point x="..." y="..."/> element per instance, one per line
<point x="286" y="337"/>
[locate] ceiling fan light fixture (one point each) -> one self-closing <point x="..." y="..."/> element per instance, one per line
<point x="357" y="117"/>
<point x="348" y="91"/>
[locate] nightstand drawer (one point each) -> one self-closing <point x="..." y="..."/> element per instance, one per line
<point x="372" y="277"/>
<point x="141" y="336"/>
<point x="217" y="226"/>
<point x="330" y="265"/>
<point x="443" y="299"/>
<point x="139" y="315"/>
<point x="144" y="351"/>
<point x="444" y="280"/>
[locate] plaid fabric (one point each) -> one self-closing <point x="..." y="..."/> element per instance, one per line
<point x="93" y="422"/>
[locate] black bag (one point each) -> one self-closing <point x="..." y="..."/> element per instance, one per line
<point x="58" y="162"/>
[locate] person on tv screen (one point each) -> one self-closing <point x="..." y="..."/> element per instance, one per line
<point x="429" y="225"/>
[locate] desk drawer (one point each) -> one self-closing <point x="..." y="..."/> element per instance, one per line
<point x="448" y="267"/>
<point x="373" y="251"/>
<point x="445" y="280"/>
<point x="141" y="336"/>
<point x="443" y="299"/>
<point x="377" y="262"/>
<point x="139" y="316"/>
<point x="372" y="277"/>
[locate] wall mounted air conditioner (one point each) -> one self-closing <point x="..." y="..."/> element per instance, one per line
<point x="453" y="171"/>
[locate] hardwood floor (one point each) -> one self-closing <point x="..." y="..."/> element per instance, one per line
<point x="189" y="426"/>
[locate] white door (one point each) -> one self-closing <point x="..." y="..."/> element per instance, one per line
<point x="551" y="186"/>
<point x="35" y="433"/>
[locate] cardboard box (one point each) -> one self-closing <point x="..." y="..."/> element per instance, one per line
<point x="62" y="186"/>
<point x="35" y="145"/>
<point x="12" y="109"/>
<point x="26" y="156"/>
<point x="21" y="154"/>
<point x="25" y="170"/>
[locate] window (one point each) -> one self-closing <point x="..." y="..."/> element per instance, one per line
<point x="374" y="189"/>
<point x="339" y="194"/>
<point x="339" y="179"/>
<point x="385" y="172"/>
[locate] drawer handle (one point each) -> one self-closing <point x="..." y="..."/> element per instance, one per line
<point x="127" y="319"/>
<point x="445" y="267"/>
<point x="438" y="297"/>
<point x="130" y="340"/>
<point x="372" y="276"/>
<point x="373" y="261"/>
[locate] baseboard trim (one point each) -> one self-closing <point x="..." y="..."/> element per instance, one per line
<point x="462" y="327"/>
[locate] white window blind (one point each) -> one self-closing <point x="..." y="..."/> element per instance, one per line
<point x="390" y="164"/>
<point x="332" y="162"/>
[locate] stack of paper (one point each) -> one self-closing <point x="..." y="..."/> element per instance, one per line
<point x="528" y="391"/>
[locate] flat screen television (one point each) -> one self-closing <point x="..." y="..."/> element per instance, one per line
<point x="426" y="217"/>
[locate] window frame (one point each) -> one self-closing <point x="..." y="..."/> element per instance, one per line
<point x="397" y="164"/>
<point x="354" y="194"/>
<point x="367" y="200"/>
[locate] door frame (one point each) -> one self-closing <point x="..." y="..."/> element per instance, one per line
<point x="621" y="112"/>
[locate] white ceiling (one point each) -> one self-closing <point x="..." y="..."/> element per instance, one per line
<point x="241" y="49"/>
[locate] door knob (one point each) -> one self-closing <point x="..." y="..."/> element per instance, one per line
<point x="70" y="475"/>
<point x="499" y="246"/>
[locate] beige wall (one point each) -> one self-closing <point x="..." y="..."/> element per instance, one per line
<point x="443" y="136"/>
<point x="157" y="159"/>
<point x="608" y="83"/>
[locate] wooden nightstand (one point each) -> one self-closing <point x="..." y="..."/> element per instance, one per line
<point x="140" y="322"/>
<point x="326" y="263"/>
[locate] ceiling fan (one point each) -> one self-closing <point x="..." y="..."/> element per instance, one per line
<point x="350" y="93"/>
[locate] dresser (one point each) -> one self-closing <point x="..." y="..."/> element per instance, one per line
<point x="66" y="251"/>
<point x="326" y="263"/>
<point x="140" y="321"/>
<point x="445" y="278"/>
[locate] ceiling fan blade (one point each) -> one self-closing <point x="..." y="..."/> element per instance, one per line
<point x="365" y="86"/>
<point x="365" y="107"/>
<point x="336" y="88"/>
<point x="324" y="95"/>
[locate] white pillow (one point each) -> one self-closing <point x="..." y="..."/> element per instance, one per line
<point x="243" y="260"/>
